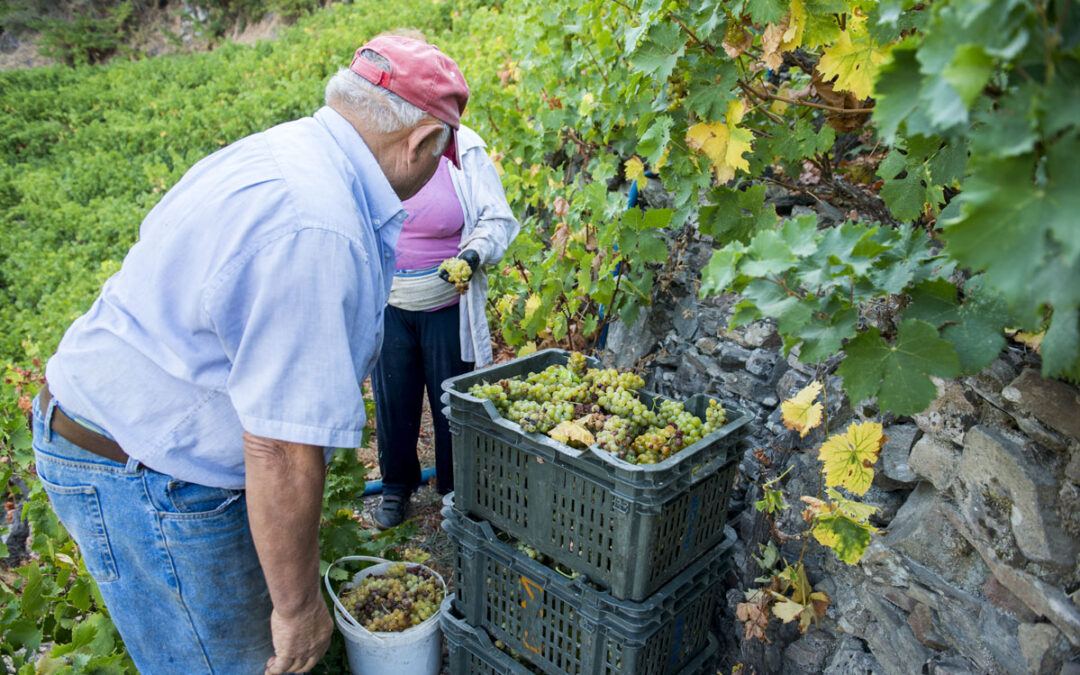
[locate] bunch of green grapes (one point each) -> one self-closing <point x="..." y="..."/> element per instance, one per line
<point x="459" y="272"/>
<point x="715" y="417"/>
<point x="656" y="444"/>
<point x="492" y="392"/>
<point x="519" y="409"/>
<point x="576" y="363"/>
<point x="399" y="599"/>
<point x="615" y="436"/>
<point x="625" y="403"/>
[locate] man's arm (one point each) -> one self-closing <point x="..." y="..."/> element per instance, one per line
<point x="284" y="483"/>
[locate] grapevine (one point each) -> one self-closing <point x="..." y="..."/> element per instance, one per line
<point x="604" y="402"/>
<point x="459" y="273"/>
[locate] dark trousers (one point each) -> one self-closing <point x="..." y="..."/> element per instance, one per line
<point x="419" y="351"/>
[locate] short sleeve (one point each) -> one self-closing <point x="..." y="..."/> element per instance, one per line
<point x="299" y="320"/>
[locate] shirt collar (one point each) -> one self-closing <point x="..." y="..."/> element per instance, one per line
<point x="383" y="203"/>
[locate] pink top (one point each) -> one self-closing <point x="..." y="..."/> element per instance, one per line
<point x="432" y="231"/>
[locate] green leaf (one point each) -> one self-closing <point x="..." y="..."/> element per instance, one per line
<point x="767" y="254"/>
<point x="846" y="537"/>
<point x="896" y="91"/>
<point x="655" y="140"/>
<point x="824" y="337"/>
<point x="720" y="272"/>
<point x="1006" y="220"/>
<point x="969" y="71"/>
<point x="905" y="196"/>
<point x="766" y="11"/>
<point x="933" y="301"/>
<point x="898" y="374"/>
<point x="1061" y="345"/>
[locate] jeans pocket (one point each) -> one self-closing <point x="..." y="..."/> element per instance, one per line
<point x="79" y="509"/>
<point x="194" y="499"/>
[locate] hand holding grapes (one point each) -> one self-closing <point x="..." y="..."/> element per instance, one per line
<point x="459" y="270"/>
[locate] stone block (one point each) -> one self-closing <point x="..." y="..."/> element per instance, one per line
<point x="1052" y="402"/>
<point x="935" y="460"/>
<point x="998" y="470"/>
<point x="895" y="454"/>
<point x="1003" y="599"/>
<point x="950" y="415"/>
<point x="1042" y="646"/>
<point x="732" y="356"/>
<point x="851" y="658"/>
<point x="923" y="532"/>
<point x="761" y="362"/>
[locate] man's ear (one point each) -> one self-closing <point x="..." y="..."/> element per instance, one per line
<point x="421" y="141"/>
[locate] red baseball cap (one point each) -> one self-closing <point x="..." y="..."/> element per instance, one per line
<point x="423" y="76"/>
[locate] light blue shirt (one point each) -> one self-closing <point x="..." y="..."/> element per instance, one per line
<point x="253" y="300"/>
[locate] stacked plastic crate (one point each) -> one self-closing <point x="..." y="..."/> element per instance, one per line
<point x="634" y="554"/>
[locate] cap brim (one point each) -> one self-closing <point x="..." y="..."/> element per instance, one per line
<point x="453" y="149"/>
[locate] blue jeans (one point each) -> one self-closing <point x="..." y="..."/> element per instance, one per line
<point x="175" y="561"/>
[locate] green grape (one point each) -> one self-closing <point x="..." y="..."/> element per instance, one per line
<point x="398" y="599"/>
<point x="459" y="272"/>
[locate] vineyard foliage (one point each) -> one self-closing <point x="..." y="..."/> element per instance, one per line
<point x="940" y="135"/>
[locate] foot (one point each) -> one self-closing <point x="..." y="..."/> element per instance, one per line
<point x="391" y="511"/>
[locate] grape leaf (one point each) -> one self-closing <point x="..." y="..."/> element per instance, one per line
<point x="800" y="413"/>
<point x="654" y="142"/>
<point x="720" y="272"/>
<point x="896" y="91"/>
<point x="898" y="374"/>
<point x="635" y="171"/>
<point x="853" y="59"/>
<point x="724" y="143"/>
<point x="847" y="538"/>
<point x="766" y="11"/>
<point x="824" y="337"/>
<point x="572" y="434"/>
<point x="849" y="457"/>
<point x="969" y="71"/>
<point x="933" y="301"/>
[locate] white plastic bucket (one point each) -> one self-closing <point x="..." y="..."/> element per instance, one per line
<point x="413" y="651"/>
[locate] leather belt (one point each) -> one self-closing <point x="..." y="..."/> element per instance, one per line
<point x="80" y="435"/>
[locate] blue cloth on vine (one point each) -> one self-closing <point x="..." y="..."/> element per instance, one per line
<point x="253" y="300"/>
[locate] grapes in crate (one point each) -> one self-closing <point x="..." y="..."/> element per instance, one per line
<point x="403" y="597"/>
<point x="600" y="407"/>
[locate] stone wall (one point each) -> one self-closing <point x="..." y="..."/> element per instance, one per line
<point x="976" y="569"/>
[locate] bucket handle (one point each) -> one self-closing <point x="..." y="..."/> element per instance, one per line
<point x="345" y="614"/>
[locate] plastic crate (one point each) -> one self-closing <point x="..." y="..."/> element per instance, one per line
<point x="586" y="508"/>
<point x="472" y="651"/>
<point x="563" y="625"/>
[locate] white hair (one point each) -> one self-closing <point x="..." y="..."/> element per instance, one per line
<point x="376" y="107"/>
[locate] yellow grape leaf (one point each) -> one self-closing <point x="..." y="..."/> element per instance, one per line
<point x="847" y="538"/>
<point x="853" y="59"/>
<point x="783" y="37"/>
<point x="856" y="510"/>
<point x="849" y="457"/>
<point x="635" y="171"/>
<point x="800" y="413"/>
<point x="787" y="610"/>
<point x="723" y="142"/>
<point x="572" y="434"/>
<point x="531" y="305"/>
<point x="526" y="349"/>
<point x="1032" y="340"/>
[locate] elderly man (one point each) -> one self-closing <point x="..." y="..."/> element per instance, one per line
<point x="189" y="414"/>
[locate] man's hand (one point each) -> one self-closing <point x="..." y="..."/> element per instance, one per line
<point x="300" y="641"/>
